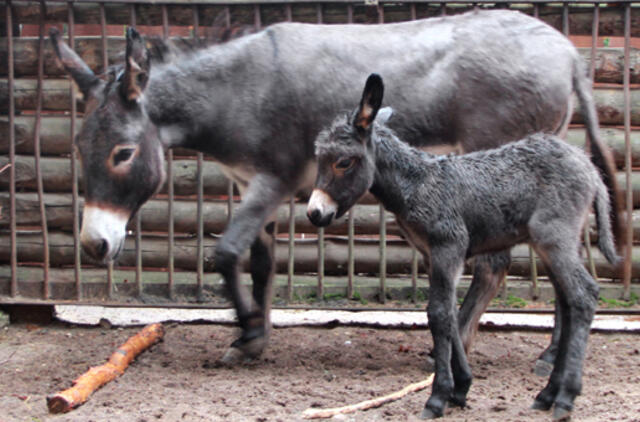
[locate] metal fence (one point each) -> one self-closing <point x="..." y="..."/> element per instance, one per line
<point x="167" y="250"/>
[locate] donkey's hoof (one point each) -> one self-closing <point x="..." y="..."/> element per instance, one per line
<point x="429" y="414"/>
<point x="543" y="368"/>
<point x="232" y="356"/>
<point x="561" y="413"/>
<point x="540" y="405"/>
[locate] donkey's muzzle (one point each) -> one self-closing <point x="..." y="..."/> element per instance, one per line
<point x="97" y="248"/>
<point x="103" y="231"/>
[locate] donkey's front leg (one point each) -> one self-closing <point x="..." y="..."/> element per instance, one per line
<point x="452" y="374"/>
<point x="262" y="198"/>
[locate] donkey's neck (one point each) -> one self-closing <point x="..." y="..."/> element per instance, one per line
<point x="399" y="169"/>
<point x="188" y="97"/>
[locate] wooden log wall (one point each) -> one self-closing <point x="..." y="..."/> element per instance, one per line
<point x="55" y="137"/>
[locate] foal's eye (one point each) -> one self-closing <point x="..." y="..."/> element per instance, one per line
<point x="344" y="164"/>
<point x="123" y="155"/>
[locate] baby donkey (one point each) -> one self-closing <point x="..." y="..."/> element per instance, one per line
<point x="538" y="190"/>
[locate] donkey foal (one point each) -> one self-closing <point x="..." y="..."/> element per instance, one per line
<point x="538" y="190"/>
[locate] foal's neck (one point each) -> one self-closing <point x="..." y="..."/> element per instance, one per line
<point x="399" y="168"/>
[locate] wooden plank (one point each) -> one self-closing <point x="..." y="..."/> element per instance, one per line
<point x="154" y="250"/>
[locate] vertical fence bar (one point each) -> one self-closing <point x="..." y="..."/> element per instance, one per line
<point x="592" y="61"/>
<point x="414" y="251"/>
<point x="138" y="235"/>
<point x="443" y="9"/>
<point x="170" y="188"/>
<point x="292" y="214"/>
<point x="257" y="21"/>
<point x="105" y="66"/>
<point x="533" y="262"/>
<point x="37" y="151"/>
<point x="227" y="11"/>
<point x="75" y="202"/>
<point x="200" y="190"/>
<point x="626" y="80"/>
<point x="594" y="41"/>
<point x="12" y="154"/>
<point x="565" y="19"/>
<point x="321" y="255"/>
<point x="383" y="223"/>
<point x="351" y="263"/>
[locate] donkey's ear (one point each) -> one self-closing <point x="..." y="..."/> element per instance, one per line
<point x="370" y="102"/>
<point x="137" y="66"/>
<point x="86" y="80"/>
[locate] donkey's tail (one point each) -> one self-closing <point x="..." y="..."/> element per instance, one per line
<point x="602" y="210"/>
<point x="601" y="155"/>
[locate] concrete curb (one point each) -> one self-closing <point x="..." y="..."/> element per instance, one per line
<point x="94" y="315"/>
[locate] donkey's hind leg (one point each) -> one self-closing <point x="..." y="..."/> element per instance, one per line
<point x="488" y="272"/>
<point x="544" y="364"/>
<point x="576" y="296"/>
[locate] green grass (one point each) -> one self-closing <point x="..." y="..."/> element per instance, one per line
<point x="618" y="303"/>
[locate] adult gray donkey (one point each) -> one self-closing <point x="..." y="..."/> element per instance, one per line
<point x="255" y="104"/>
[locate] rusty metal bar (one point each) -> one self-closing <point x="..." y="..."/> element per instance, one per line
<point x="350" y="13"/>
<point x="321" y="253"/>
<point x="138" y="233"/>
<point x="351" y="264"/>
<point x="257" y="21"/>
<point x="414" y="251"/>
<point x="105" y="66"/>
<point x="383" y="224"/>
<point x="292" y="245"/>
<point x="443" y="9"/>
<point x="75" y="202"/>
<point x="383" y="255"/>
<point x="565" y="19"/>
<point x="626" y="80"/>
<point x="594" y="41"/>
<point x="170" y="187"/>
<point x="12" y="154"/>
<point x="288" y="12"/>
<point x="200" y="190"/>
<point x="37" y="151"/>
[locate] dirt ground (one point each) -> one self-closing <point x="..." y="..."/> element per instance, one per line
<point x="179" y="380"/>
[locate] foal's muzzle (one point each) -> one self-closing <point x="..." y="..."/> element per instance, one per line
<point x="321" y="209"/>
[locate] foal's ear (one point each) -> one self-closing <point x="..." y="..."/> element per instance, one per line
<point x="370" y="102"/>
<point x="137" y="66"/>
<point x="86" y="80"/>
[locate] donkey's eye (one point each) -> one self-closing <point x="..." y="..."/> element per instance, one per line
<point x="344" y="164"/>
<point x="123" y="155"/>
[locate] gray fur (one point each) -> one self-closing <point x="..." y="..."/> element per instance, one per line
<point x="255" y="104"/>
<point x="538" y="190"/>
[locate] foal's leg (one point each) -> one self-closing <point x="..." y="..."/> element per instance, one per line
<point x="577" y="294"/>
<point x="262" y="197"/>
<point x="452" y="372"/>
<point x="544" y="364"/>
<point x="488" y="272"/>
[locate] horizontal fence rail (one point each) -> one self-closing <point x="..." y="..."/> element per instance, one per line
<point x="168" y="254"/>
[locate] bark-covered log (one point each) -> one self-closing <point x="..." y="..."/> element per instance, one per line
<point x="56" y="174"/>
<point x="609" y="62"/>
<point x="56" y="97"/>
<point x="366" y="252"/>
<point x="611" y="22"/>
<point x="155" y="218"/>
<point x="55" y="136"/>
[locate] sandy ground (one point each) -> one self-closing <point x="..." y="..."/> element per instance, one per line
<point x="179" y="379"/>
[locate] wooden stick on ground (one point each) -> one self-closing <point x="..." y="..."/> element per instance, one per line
<point x="312" y="413"/>
<point x="97" y="376"/>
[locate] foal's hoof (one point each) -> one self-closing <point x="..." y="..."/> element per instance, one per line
<point x="233" y="356"/>
<point x="429" y="414"/>
<point x="543" y="368"/>
<point x="246" y="348"/>
<point x="561" y="414"/>
<point x="540" y="405"/>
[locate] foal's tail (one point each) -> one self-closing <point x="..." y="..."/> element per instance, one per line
<point x="602" y="210"/>
<point x="601" y="156"/>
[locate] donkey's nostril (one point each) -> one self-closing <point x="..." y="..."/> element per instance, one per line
<point x="102" y="248"/>
<point x="314" y="215"/>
